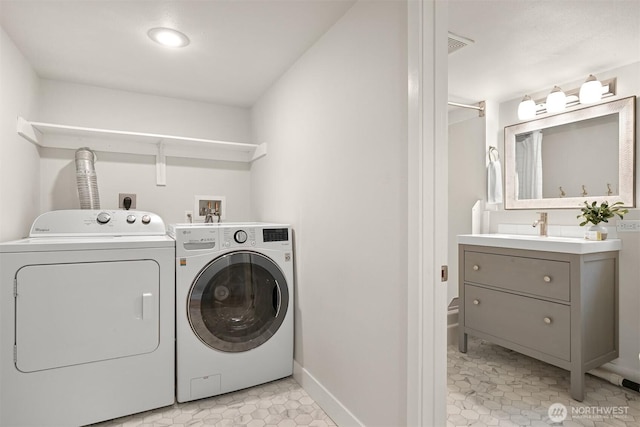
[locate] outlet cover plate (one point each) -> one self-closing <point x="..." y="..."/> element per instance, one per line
<point x="628" y="226"/>
<point x="122" y="196"/>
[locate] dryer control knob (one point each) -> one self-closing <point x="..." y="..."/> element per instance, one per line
<point x="131" y="219"/>
<point x="146" y="219"/>
<point x="103" y="218"/>
<point x="240" y="236"/>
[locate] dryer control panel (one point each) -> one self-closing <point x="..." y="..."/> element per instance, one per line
<point x="90" y="222"/>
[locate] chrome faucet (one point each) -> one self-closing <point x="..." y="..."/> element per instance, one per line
<point x="542" y="222"/>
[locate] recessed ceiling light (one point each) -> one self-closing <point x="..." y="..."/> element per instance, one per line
<point x="168" y="37"/>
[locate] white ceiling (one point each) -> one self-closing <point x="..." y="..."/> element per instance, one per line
<point x="240" y="47"/>
<point x="525" y="46"/>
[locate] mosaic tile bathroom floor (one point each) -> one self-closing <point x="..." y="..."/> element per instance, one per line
<point x="493" y="386"/>
<point x="280" y="403"/>
<point x="487" y="386"/>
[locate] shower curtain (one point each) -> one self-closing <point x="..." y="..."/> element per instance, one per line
<point x="529" y="165"/>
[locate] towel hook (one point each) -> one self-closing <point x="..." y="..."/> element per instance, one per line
<point x="493" y="150"/>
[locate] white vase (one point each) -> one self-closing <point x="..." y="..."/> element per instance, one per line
<point x="601" y="229"/>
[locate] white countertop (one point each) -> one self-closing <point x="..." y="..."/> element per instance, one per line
<point x="569" y="245"/>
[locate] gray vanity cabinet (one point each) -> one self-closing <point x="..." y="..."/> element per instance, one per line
<point x="556" y="307"/>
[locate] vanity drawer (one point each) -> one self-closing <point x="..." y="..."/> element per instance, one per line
<point x="546" y="278"/>
<point x="540" y="325"/>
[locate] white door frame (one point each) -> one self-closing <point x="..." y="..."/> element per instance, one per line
<point x="427" y="213"/>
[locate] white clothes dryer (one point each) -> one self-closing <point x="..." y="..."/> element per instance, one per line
<point x="87" y="319"/>
<point x="234" y="306"/>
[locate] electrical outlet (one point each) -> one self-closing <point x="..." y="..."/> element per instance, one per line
<point x="123" y="196"/>
<point x="628" y="226"/>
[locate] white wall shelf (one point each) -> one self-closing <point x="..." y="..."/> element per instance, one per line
<point x="115" y="141"/>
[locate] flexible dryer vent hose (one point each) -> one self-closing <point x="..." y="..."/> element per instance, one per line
<point x="614" y="378"/>
<point x="86" y="179"/>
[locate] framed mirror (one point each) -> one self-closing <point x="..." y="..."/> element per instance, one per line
<point x="561" y="161"/>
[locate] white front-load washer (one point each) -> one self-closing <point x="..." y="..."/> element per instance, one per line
<point x="87" y="319"/>
<point x="234" y="306"/>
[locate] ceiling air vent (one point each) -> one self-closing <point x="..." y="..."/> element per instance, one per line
<point x="457" y="42"/>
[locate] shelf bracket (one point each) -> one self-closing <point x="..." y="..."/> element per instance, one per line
<point x="161" y="165"/>
<point x="27" y="131"/>
<point x="260" y="151"/>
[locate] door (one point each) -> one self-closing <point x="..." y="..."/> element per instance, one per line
<point x="75" y="313"/>
<point x="238" y="301"/>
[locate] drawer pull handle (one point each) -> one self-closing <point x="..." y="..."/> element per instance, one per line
<point x="547" y="279"/>
<point x="476" y="302"/>
<point x="476" y="267"/>
<point x="547" y="320"/>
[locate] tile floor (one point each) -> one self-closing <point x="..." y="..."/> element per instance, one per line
<point x="487" y="386"/>
<point x="280" y="403"/>
<point x="493" y="386"/>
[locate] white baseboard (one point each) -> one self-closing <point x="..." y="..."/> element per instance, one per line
<point x="323" y="397"/>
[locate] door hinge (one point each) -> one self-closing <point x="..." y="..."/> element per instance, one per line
<point x="444" y="273"/>
<point x="15" y="287"/>
<point x="15" y="354"/>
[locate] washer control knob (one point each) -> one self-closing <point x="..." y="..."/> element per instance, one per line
<point x="240" y="236"/>
<point x="131" y="219"/>
<point x="103" y="218"/>
<point x="146" y="219"/>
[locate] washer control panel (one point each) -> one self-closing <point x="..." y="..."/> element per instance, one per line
<point x="90" y="222"/>
<point x="234" y="237"/>
<point x="216" y="237"/>
<point x="240" y="236"/>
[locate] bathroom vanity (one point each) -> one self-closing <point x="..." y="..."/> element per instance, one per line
<point x="554" y="299"/>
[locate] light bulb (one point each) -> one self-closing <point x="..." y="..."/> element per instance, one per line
<point x="527" y="108"/>
<point x="168" y="37"/>
<point x="590" y="91"/>
<point x="556" y="100"/>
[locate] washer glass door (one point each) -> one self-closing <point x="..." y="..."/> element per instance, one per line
<point x="238" y="301"/>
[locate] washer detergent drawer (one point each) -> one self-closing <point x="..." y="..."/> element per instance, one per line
<point x="70" y="314"/>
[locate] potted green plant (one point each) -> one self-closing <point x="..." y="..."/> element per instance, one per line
<point x="594" y="214"/>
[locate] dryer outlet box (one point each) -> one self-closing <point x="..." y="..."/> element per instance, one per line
<point x="216" y="205"/>
<point x="123" y="196"/>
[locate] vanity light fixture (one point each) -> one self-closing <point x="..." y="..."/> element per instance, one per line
<point x="590" y="91"/>
<point x="556" y="100"/>
<point x="578" y="96"/>
<point x="527" y="108"/>
<point x="168" y="37"/>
